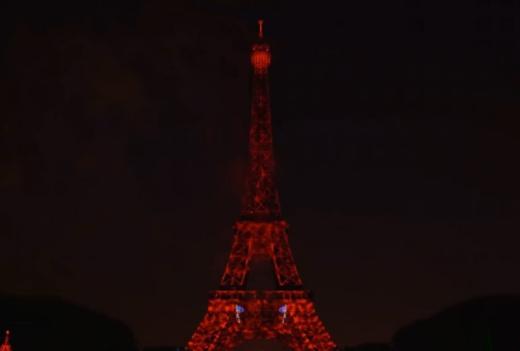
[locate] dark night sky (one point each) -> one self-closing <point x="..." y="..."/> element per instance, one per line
<point x="123" y="145"/>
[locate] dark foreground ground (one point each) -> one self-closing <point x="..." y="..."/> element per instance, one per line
<point x="44" y="323"/>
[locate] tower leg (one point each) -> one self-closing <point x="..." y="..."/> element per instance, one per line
<point x="218" y="329"/>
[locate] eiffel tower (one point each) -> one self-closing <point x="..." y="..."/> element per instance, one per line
<point x="236" y="314"/>
<point x="6" y="346"/>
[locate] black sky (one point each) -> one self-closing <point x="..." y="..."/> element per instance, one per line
<point x="123" y="140"/>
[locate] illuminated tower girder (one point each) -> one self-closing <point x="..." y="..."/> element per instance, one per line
<point x="236" y="314"/>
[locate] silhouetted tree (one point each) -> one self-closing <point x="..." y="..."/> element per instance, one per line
<point x="46" y="323"/>
<point x="483" y="324"/>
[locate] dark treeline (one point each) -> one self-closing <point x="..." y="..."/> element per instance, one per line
<point x="483" y="324"/>
<point x="47" y="323"/>
<point x="43" y="323"/>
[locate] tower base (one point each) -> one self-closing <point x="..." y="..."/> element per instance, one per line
<point x="237" y="316"/>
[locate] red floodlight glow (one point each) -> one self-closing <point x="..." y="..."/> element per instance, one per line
<point x="6" y="346"/>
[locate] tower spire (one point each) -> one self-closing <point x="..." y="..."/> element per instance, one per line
<point x="6" y="346"/>
<point x="261" y="28"/>
<point x="261" y="197"/>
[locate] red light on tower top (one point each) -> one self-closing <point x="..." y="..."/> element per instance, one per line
<point x="261" y="53"/>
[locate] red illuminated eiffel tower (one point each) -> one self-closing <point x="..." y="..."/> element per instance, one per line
<point x="235" y="313"/>
<point x="5" y="345"/>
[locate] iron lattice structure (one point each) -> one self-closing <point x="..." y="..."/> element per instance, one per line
<point x="236" y="314"/>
